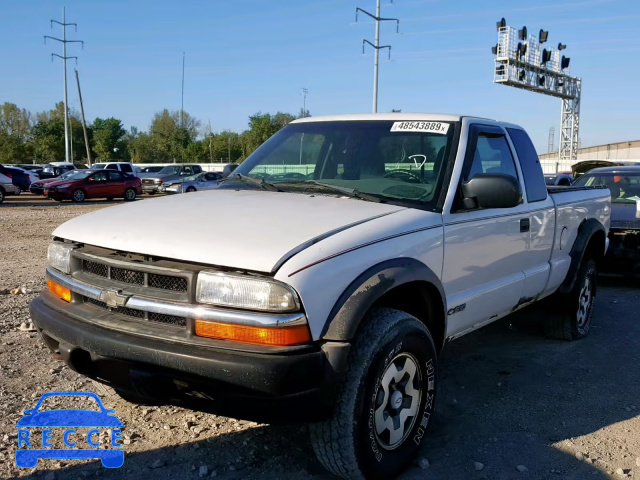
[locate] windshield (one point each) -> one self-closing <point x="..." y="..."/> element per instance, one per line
<point x="98" y="166"/>
<point x="171" y="170"/>
<point x="66" y="175"/>
<point x="193" y="178"/>
<point x="624" y="186"/>
<point x="77" y="176"/>
<point x="401" y="161"/>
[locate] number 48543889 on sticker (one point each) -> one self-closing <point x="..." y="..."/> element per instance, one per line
<point x="429" y="127"/>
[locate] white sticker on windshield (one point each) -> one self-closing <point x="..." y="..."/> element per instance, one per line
<point x="427" y="127"/>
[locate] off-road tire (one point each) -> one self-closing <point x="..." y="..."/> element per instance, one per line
<point x="78" y="196"/>
<point x="570" y="313"/>
<point x="129" y="195"/>
<point x="349" y="444"/>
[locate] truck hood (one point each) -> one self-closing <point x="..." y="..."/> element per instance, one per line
<point x="245" y="229"/>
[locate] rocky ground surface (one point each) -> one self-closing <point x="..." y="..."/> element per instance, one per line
<point x="511" y="404"/>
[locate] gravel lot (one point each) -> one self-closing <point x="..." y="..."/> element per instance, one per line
<point x="512" y="404"/>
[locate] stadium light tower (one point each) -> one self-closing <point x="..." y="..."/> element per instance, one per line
<point x="522" y="62"/>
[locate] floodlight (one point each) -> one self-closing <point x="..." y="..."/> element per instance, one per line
<point x="522" y="34"/>
<point x="561" y="46"/>
<point x="543" y="35"/>
<point x="522" y="49"/>
<point x="521" y="75"/>
<point x="564" y="63"/>
<point x="500" y="70"/>
<point x="494" y="50"/>
<point x="546" y="56"/>
<point x="501" y="24"/>
<point x="541" y="80"/>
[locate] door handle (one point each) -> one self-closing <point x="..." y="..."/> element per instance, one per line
<point x="524" y="224"/>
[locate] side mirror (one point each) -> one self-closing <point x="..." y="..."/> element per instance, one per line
<point x="486" y="190"/>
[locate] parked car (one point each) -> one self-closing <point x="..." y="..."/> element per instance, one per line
<point x="623" y="254"/>
<point x="200" y="181"/>
<point x="328" y="299"/>
<point x="168" y="174"/>
<point x="6" y="187"/>
<point x="85" y="184"/>
<point x="20" y="178"/>
<point x="54" y="171"/>
<point x="147" y="172"/>
<point x="580" y="168"/>
<point x="31" y="167"/>
<point x="559" y="179"/>
<point x="126" y="167"/>
<point x="37" y="187"/>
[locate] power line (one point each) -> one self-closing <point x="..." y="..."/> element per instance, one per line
<point x="64" y="58"/>
<point x="377" y="47"/>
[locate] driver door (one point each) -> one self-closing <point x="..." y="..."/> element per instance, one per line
<point x="485" y="250"/>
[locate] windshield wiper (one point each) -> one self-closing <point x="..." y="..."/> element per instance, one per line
<point x="253" y="181"/>
<point x="350" y="192"/>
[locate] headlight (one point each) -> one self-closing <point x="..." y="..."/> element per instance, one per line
<point x="245" y="292"/>
<point x="59" y="256"/>
<point x="178" y="187"/>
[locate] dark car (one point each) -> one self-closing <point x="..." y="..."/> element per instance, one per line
<point x="37" y="188"/>
<point x="53" y="171"/>
<point x="558" y="179"/>
<point x="169" y="174"/>
<point x="624" y="234"/>
<point x="19" y="178"/>
<point x="85" y="184"/>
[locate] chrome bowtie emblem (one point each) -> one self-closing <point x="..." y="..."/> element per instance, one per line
<point x="113" y="298"/>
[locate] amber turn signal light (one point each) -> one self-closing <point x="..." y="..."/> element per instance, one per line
<point x="59" y="291"/>
<point x="279" y="336"/>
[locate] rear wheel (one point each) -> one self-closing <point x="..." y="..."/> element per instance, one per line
<point x="570" y="318"/>
<point x="129" y="195"/>
<point x="78" y="196"/>
<point x="385" y="401"/>
<point x="17" y="190"/>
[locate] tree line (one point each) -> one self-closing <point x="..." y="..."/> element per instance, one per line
<point x="173" y="136"/>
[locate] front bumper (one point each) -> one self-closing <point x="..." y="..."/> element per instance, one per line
<point x="154" y="188"/>
<point x="9" y="188"/>
<point x="298" y="382"/>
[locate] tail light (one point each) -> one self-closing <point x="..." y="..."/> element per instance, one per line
<point x="9" y="175"/>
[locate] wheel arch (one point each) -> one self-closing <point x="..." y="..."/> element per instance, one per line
<point x="404" y="284"/>
<point x="590" y="243"/>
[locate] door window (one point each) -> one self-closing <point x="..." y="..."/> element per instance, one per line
<point x="211" y="176"/>
<point x="492" y="155"/>
<point x="187" y="171"/>
<point x="99" y="176"/>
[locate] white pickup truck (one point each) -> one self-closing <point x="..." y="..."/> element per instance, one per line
<point x="344" y="254"/>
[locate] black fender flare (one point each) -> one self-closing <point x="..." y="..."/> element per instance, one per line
<point x="586" y="231"/>
<point x="349" y="310"/>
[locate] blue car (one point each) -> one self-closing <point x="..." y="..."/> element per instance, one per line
<point x="73" y="418"/>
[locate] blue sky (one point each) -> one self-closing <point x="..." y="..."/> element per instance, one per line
<point x="245" y="56"/>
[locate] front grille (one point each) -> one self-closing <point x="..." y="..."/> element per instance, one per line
<point x="146" y="181"/>
<point x="170" y="319"/>
<point x="136" y="277"/>
<point x="127" y="276"/>
<point x="130" y="312"/>
<point x="95" y="268"/>
<point x="167" y="282"/>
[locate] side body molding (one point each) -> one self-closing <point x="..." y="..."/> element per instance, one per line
<point x="348" y="312"/>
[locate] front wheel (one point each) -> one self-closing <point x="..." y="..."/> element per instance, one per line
<point x="129" y="195"/>
<point x="385" y="401"/>
<point x="17" y="190"/>
<point x="571" y="319"/>
<point x="78" y="196"/>
<point x="191" y="189"/>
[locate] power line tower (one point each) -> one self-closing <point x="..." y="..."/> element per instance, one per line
<point x="64" y="58"/>
<point x="522" y="62"/>
<point x="377" y="47"/>
<point x="552" y="140"/>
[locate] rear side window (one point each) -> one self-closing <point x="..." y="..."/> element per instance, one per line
<point x="125" y="167"/>
<point x="530" y="165"/>
<point x="115" y="176"/>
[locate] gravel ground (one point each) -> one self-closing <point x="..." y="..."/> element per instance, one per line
<point x="511" y="404"/>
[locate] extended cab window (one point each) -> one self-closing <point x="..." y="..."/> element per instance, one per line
<point x="125" y="167"/>
<point x="534" y="180"/>
<point x="492" y="155"/>
<point x="197" y="169"/>
<point x="112" y="166"/>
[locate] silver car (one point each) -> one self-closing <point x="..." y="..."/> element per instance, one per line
<point x="200" y="181"/>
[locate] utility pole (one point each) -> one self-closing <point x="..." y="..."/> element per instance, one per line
<point x="229" y="148"/>
<point x="377" y="47"/>
<point x="84" y="123"/>
<point x="182" y="110"/>
<point x="64" y="58"/>
<point x="304" y="101"/>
